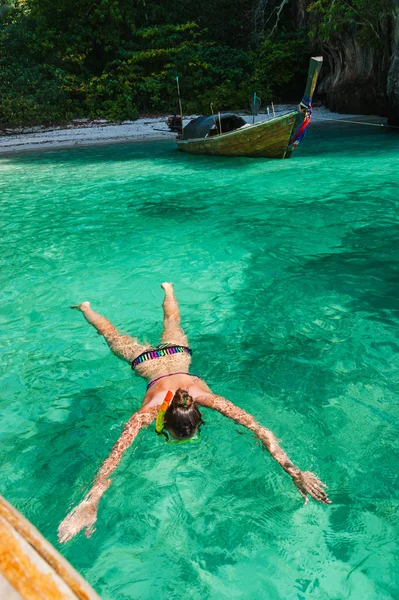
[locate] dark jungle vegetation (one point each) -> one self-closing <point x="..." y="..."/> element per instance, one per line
<point x="116" y="59"/>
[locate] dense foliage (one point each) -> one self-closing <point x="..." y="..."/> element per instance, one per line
<point x="116" y="59"/>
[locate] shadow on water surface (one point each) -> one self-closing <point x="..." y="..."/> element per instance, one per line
<point x="365" y="267"/>
<point x="338" y="137"/>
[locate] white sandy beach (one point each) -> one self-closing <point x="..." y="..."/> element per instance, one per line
<point x="85" y="132"/>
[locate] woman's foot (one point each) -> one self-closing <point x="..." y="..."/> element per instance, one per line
<point x="167" y="287"/>
<point x="82" y="306"/>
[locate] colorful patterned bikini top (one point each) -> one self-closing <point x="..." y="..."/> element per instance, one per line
<point x="159" y="351"/>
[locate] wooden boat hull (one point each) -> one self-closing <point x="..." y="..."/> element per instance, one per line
<point x="273" y="138"/>
<point x="268" y="139"/>
<point x="30" y="568"/>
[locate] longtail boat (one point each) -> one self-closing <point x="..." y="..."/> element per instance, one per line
<point x="229" y="134"/>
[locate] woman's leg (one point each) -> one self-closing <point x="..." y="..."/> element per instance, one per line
<point x="123" y="346"/>
<point x="172" y="332"/>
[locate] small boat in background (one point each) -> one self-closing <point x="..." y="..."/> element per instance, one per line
<point x="228" y="134"/>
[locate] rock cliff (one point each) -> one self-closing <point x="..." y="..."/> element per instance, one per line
<point x="393" y="73"/>
<point x="361" y="75"/>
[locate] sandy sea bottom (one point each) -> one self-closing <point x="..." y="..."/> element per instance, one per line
<point x="287" y="277"/>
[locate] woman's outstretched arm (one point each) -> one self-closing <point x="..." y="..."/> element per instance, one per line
<point x="85" y="514"/>
<point x="305" y="481"/>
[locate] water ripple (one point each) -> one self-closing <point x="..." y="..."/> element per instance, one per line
<point x="286" y="273"/>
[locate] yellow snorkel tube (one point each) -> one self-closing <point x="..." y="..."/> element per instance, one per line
<point x="161" y="413"/>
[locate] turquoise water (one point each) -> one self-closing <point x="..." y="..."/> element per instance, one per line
<point x="287" y="276"/>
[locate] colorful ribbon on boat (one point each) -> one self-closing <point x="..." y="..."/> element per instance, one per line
<point x="299" y="134"/>
<point x="159" y="351"/>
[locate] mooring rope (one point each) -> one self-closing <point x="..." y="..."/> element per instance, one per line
<point x="362" y="123"/>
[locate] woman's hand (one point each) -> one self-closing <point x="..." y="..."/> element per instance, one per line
<point x="84" y="515"/>
<point x="308" y="483"/>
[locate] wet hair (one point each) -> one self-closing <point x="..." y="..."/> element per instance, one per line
<point x="183" y="416"/>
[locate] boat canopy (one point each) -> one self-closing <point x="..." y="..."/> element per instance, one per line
<point x="200" y="127"/>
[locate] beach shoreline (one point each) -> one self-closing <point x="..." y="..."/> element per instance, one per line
<point x="85" y="132"/>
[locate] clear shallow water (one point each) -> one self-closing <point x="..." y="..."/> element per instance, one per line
<point x="287" y="277"/>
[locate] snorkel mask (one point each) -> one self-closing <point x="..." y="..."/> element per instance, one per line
<point x="159" y="424"/>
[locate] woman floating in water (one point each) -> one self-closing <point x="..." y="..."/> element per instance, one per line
<point x="172" y="399"/>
